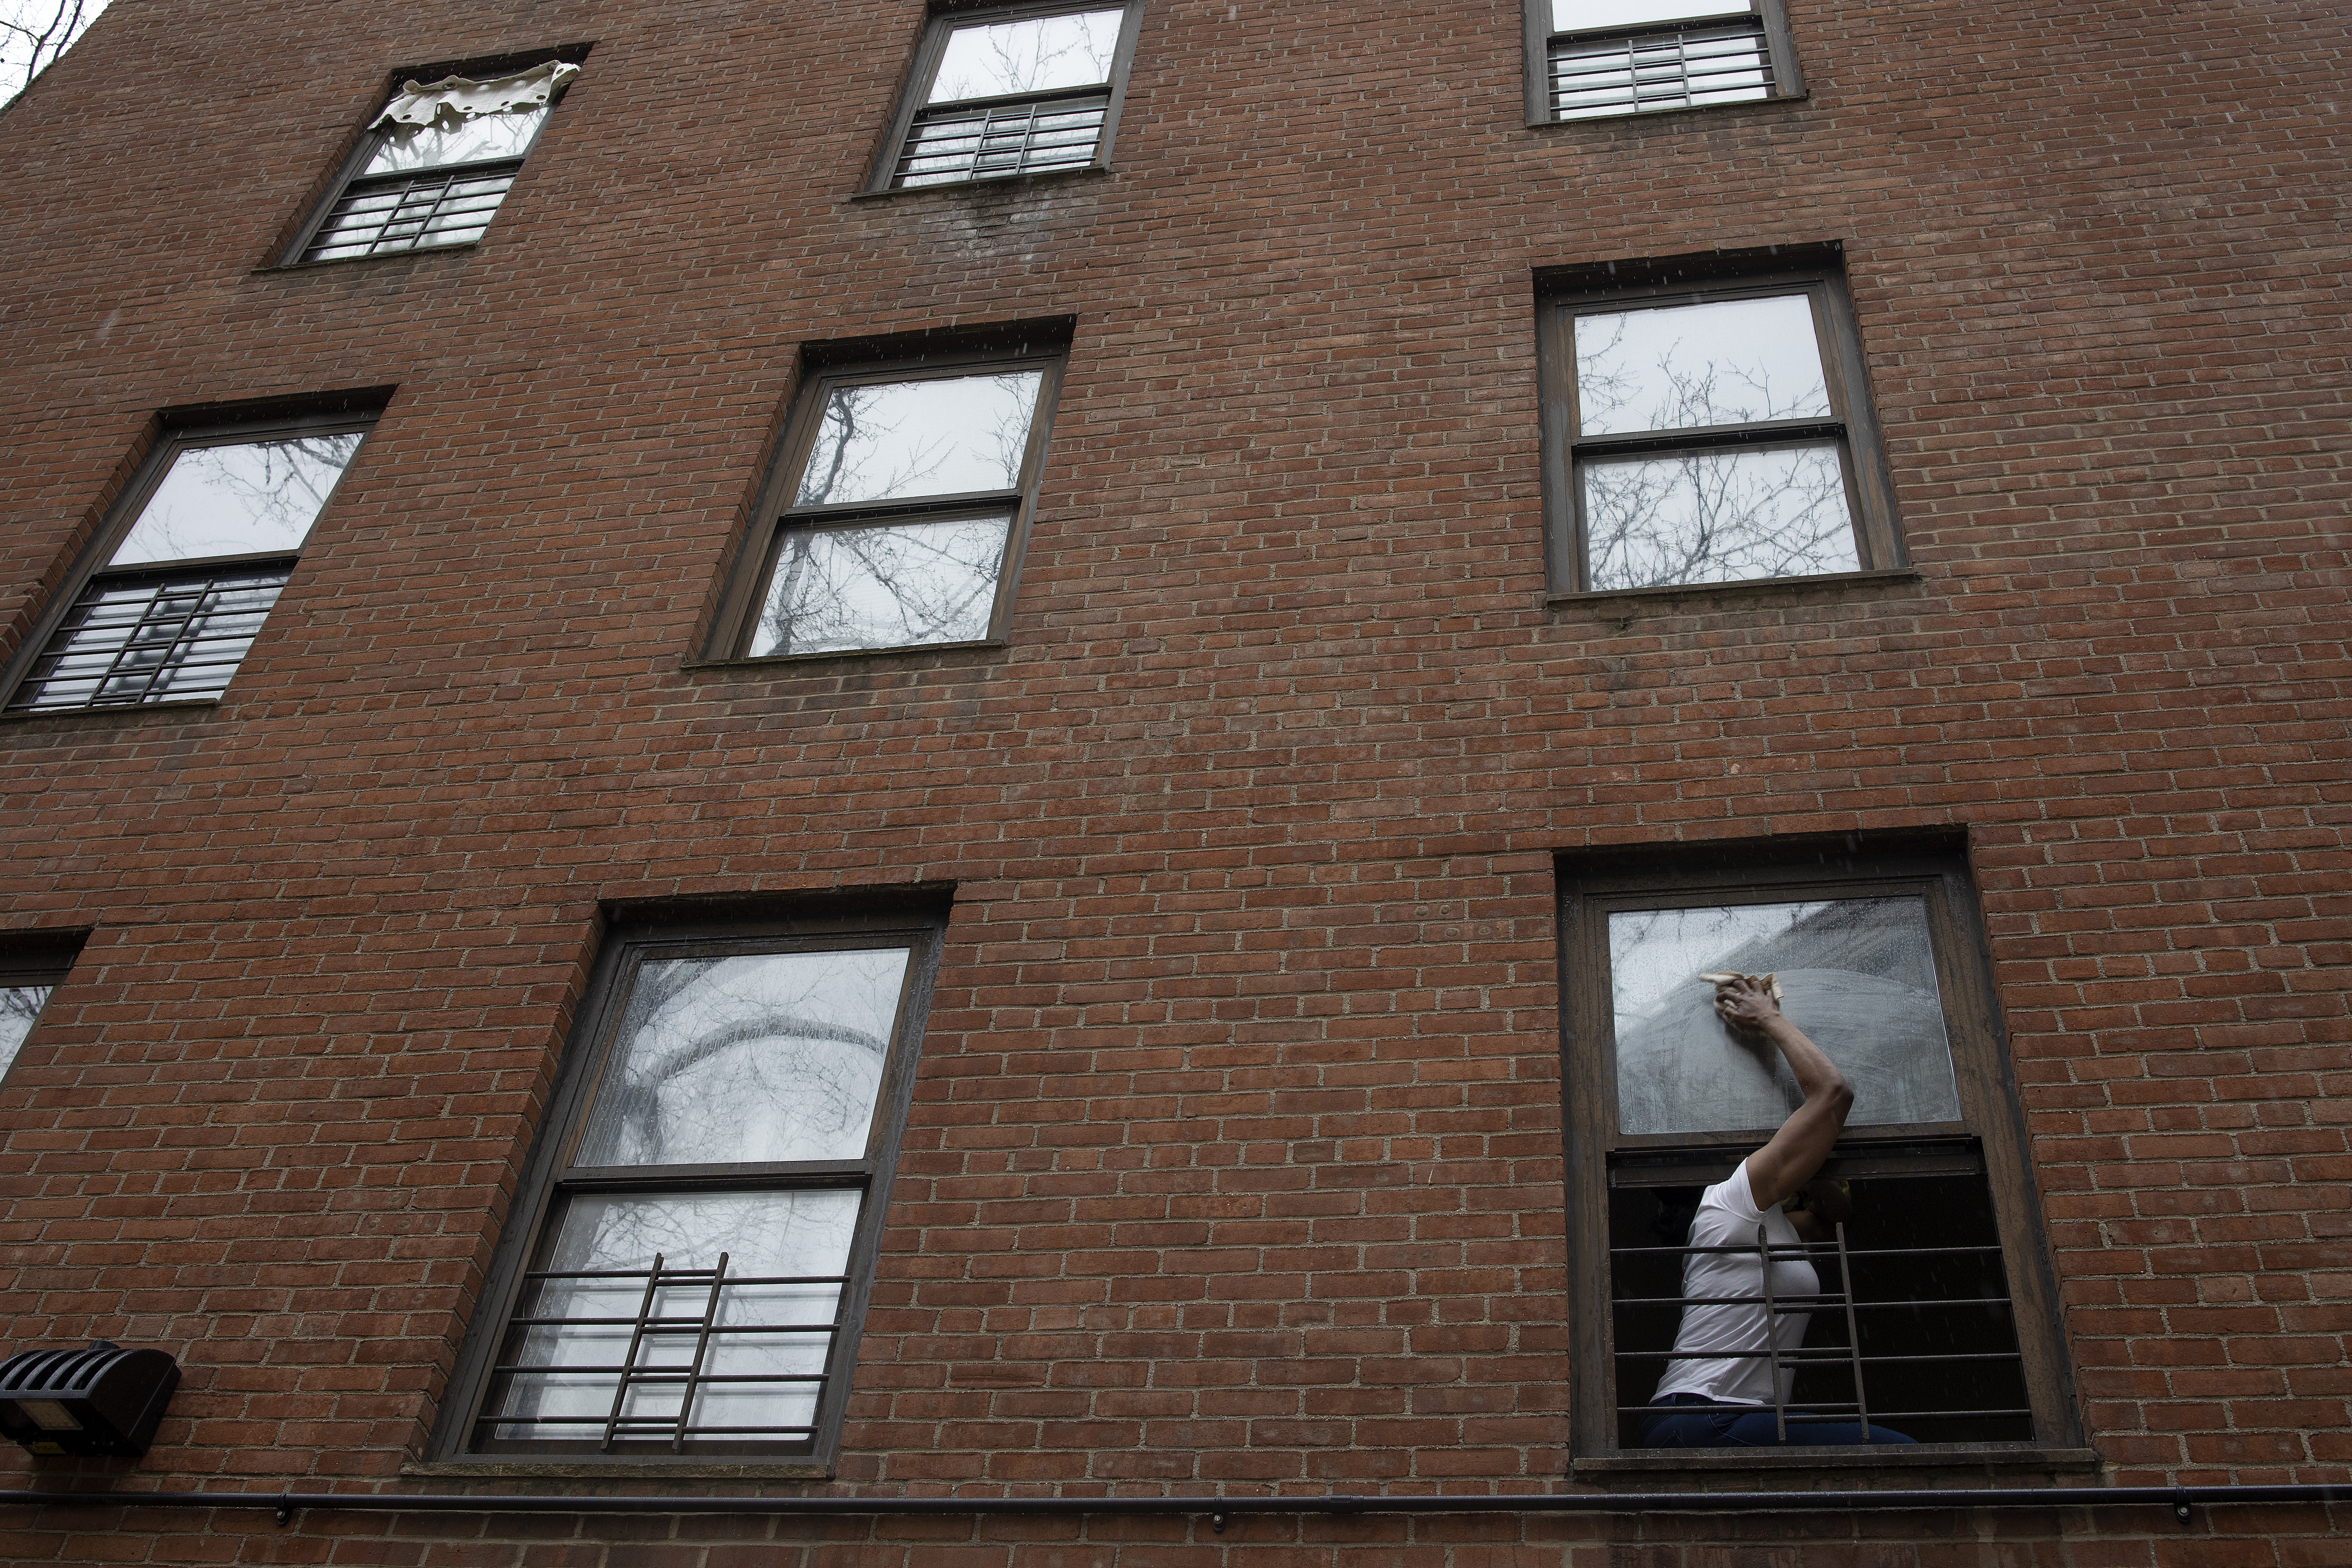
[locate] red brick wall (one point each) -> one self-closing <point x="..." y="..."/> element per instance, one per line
<point x="1235" y="1157"/>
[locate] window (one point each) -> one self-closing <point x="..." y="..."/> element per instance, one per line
<point x="899" y="509"/>
<point x="1936" y="1313"/>
<point x="684" y="1271"/>
<point x="189" y="566"/>
<point x="1594" y="59"/>
<point x="27" y="975"/>
<point x="435" y="164"/>
<point x="1017" y="90"/>
<point x="1712" y="428"/>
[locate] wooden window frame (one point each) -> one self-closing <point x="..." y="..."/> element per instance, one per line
<point x="776" y="516"/>
<point x="1787" y="79"/>
<point x="1593" y="883"/>
<point x="943" y="18"/>
<point x="548" y="1178"/>
<point x="181" y="432"/>
<point x="296" y="252"/>
<point x="1815" y="271"/>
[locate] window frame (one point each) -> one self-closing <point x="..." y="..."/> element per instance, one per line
<point x="940" y="21"/>
<point x="348" y="173"/>
<point x="90" y="562"/>
<point x="1852" y="422"/>
<point x="1592" y="883"/>
<point x="776" y="516"/>
<point x="1780" y="45"/>
<point x="548" y="1180"/>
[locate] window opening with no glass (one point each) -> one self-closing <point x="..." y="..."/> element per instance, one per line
<point x="1017" y="90"/>
<point x="1926" y="1304"/>
<point x="437" y="164"/>
<point x="1597" y="59"/>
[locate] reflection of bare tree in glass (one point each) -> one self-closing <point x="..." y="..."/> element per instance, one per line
<point x="709" y="1041"/>
<point x="19" y="1005"/>
<point x="852" y="445"/>
<point x="745" y="1060"/>
<point x="1705" y="514"/>
<point x="921" y="581"/>
<point x="277" y="488"/>
<point x="873" y="587"/>
<point x="1028" y="56"/>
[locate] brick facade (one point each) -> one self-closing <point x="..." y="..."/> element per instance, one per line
<point x="1234" y="1159"/>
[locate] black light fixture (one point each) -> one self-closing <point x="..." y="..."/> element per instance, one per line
<point x="97" y="1400"/>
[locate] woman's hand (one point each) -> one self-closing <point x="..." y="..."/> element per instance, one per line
<point x="1745" y="1004"/>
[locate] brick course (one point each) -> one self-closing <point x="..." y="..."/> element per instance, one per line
<point x="1235" y="1156"/>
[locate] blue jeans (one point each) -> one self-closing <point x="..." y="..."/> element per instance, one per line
<point x="1709" y="1424"/>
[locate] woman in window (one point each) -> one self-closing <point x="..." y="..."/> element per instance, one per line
<point x="1721" y="1384"/>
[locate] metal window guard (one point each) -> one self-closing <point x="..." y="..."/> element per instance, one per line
<point x="647" y="1327"/>
<point x="1841" y="1298"/>
<point x="1680" y="67"/>
<point x="993" y="138"/>
<point x="413" y="209"/>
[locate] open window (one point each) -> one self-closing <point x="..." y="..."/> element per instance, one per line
<point x="902" y="498"/>
<point x="435" y="164"/>
<point x="176" y="588"/>
<point x="1707" y="419"/>
<point x="1936" y="1315"/>
<point x="1590" y="59"/>
<point x="1001" y="90"/>
<point x="685" y="1271"/>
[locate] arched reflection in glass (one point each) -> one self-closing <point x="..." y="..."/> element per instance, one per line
<point x="1859" y="976"/>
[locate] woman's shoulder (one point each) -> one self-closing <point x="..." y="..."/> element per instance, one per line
<point x="1732" y="1197"/>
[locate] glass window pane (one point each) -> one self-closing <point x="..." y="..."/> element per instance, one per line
<point x="950" y="435"/>
<point x="1859" y="976"/>
<point x="889" y="586"/>
<point x="452" y="140"/>
<point x="1716" y="517"/>
<point x="19" y="1005"/>
<point x="1040" y="55"/>
<point x="237" y="500"/>
<point x="1583" y="16"/>
<point x="1683" y="367"/>
<point x="572" y="1369"/>
<point x="763" y="1057"/>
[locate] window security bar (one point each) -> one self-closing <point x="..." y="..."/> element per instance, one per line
<point x="1841" y="1298"/>
<point x="413" y="211"/>
<point x="649" y="1328"/>
<point x="1020" y="136"/>
<point x="144" y="638"/>
<point x="1681" y="69"/>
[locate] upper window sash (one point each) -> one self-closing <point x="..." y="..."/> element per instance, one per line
<point x="1861" y="973"/>
<point x="999" y="93"/>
